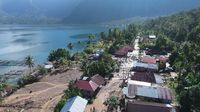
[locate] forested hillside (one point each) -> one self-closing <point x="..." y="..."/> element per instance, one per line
<point x="181" y="32"/>
<point x="87" y="11"/>
<point x="176" y="26"/>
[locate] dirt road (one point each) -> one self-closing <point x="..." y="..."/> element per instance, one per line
<point x="41" y="96"/>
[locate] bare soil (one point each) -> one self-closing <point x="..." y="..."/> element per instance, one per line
<point x="41" y="96"/>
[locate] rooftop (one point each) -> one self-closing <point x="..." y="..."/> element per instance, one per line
<point x="99" y="80"/>
<point x="145" y="65"/>
<point x="75" y="104"/>
<point x="86" y="85"/>
<point x="139" y="106"/>
<point x="149" y="91"/>
<point x="124" y="51"/>
<point x="149" y="59"/>
<point x="144" y="76"/>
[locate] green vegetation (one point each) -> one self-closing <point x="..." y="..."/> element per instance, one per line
<point x="56" y="55"/>
<point x="42" y="71"/>
<point x="180" y="34"/>
<point x="69" y="93"/>
<point x="104" y="66"/>
<point x="29" y="62"/>
<point x="28" y="79"/>
<point x="117" y="38"/>
<point x="112" y="103"/>
<point x="2" y="86"/>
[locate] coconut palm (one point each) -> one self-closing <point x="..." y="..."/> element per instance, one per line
<point x="29" y="62"/>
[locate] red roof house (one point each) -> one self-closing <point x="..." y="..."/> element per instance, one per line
<point x="86" y="85"/>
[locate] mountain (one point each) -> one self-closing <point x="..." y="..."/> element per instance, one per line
<point x="87" y="11"/>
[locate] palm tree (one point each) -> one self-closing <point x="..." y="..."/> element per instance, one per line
<point x="29" y="62"/>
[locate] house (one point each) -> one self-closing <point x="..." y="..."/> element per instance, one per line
<point x="152" y="36"/>
<point x="139" y="106"/>
<point x="144" y="77"/>
<point x="75" y="104"/>
<point x="141" y="67"/>
<point x="148" y="77"/>
<point x="157" y="93"/>
<point x="122" y="52"/>
<point x="89" y="88"/>
<point x="148" y="59"/>
<point x="99" y="80"/>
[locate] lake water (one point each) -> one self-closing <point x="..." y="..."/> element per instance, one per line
<point x="16" y="42"/>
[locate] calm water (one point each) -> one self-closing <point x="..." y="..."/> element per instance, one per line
<point x="16" y="42"/>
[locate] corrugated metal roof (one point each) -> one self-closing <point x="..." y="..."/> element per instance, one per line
<point x="149" y="91"/>
<point x="159" y="79"/>
<point x="99" y="80"/>
<point x="146" y="65"/>
<point x="134" y="82"/>
<point x="75" y="104"/>
<point x="86" y="85"/>
<point x="139" y="106"/>
<point x="132" y="90"/>
<point x="149" y="59"/>
<point x="144" y="76"/>
<point x="124" y="51"/>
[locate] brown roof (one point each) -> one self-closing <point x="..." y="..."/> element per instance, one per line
<point x="124" y="51"/>
<point x="144" y="77"/>
<point x="99" y="80"/>
<point x="139" y="106"/>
